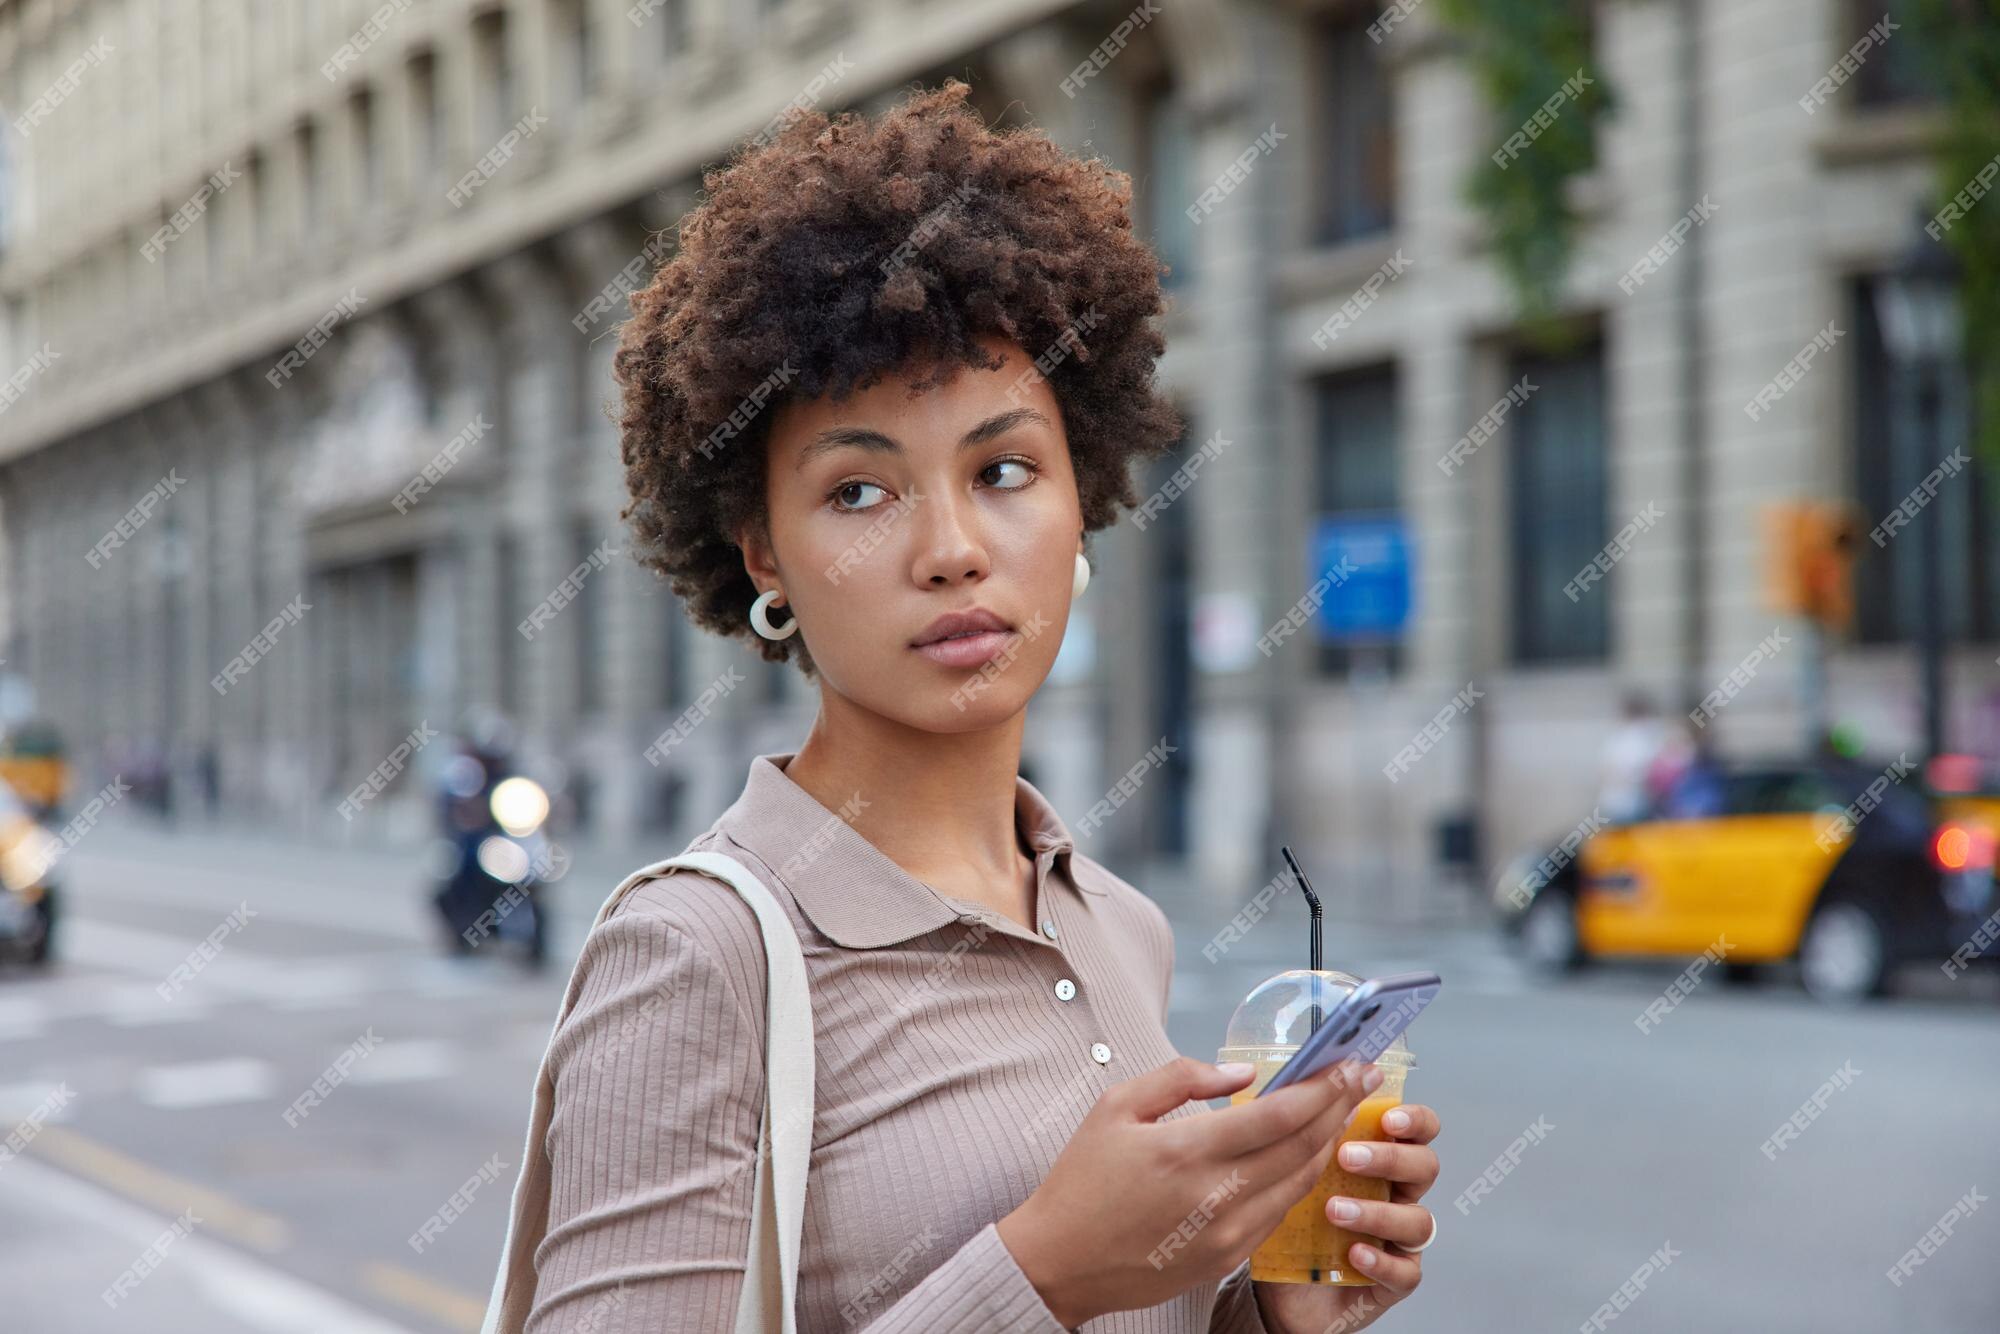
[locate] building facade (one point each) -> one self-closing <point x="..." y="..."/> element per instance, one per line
<point x="310" y="307"/>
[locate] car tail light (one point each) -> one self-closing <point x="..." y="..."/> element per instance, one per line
<point x="1962" y="847"/>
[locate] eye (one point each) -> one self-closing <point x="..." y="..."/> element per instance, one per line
<point x="1025" y="471"/>
<point x="834" y="497"/>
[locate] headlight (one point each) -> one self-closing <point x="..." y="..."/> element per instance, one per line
<point x="28" y="858"/>
<point x="519" y="805"/>
<point x="503" y="859"/>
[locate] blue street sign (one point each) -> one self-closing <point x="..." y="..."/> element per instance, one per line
<point x="1366" y="560"/>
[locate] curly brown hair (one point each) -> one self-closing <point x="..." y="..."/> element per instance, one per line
<point x="842" y="249"/>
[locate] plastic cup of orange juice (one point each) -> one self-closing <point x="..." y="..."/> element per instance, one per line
<point x="1271" y="1024"/>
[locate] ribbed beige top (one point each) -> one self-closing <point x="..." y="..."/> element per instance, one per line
<point x="956" y="1052"/>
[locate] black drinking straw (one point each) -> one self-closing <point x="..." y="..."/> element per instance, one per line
<point x="1312" y="901"/>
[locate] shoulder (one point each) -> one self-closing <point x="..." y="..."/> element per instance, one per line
<point x="678" y="934"/>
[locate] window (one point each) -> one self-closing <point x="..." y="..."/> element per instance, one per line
<point x="1355" y="471"/>
<point x="1169" y="183"/>
<point x="575" y="45"/>
<point x="494" y="71"/>
<point x="1558" y="509"/>
<point x="427" y="136"/>
<point x="311" y="194"/>
<point x="367" y="157"/>
<point x="1892" y="71"/>
<point x="1354" y="184"/>
<point x="1892" y="456"/>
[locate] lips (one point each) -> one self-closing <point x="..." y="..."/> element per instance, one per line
<point x="957" y="624"/>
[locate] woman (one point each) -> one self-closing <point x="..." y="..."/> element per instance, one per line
<point x="872" y="407"/>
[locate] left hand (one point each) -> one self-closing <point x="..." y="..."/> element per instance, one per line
<point x="1408" y="1163"/>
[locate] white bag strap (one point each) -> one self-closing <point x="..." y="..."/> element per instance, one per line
<point x="784" y="1148"/>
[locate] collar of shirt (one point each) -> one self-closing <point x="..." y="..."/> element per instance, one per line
<point x="852" y="892"/>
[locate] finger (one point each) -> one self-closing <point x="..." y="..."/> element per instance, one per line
<point x="1413" y="1123"/>
<point x="1413" y="1164"/>
<point x="1249" y="1127"/>
<point x="1152" y="1095"/>
<point x="1400" y="1274"/>
<point x="1403" y="1224"/>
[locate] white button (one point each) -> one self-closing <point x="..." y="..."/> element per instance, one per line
<point x="1100" y="1053"/>
<point x="1065" y="989"/>
<point x="1049" y="928"/>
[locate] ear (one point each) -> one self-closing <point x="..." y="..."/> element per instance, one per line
<point x="758" y="560"/>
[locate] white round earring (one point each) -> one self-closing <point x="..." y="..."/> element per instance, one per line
<point x="1082" y="580"/>
<point x="760" y="617"/>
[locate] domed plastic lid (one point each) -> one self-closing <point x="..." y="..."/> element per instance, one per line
<point x="1277" y="1016"/>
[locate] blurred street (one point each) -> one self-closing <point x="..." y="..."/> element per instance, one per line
<point x="1651" y="1139"/>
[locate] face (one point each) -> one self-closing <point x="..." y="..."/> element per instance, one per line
<point x="889" y="511"/>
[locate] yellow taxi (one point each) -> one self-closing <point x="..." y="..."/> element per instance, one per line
<point x="1848" y="869"/>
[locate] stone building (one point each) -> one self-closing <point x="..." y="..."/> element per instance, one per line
<point x="271" y="264"/>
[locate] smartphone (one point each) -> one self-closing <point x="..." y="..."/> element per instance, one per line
<point x="1362" y="1025"/>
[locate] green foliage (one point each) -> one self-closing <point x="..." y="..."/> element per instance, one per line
<point x="1960" y="40"/>
<point x="1523" y="53"/>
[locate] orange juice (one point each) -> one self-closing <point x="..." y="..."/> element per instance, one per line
<point x="1307" y="1247"/>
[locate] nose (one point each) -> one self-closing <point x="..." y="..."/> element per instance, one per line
<point x="949" y="550"/>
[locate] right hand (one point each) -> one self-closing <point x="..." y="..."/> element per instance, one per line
<point x="1103" y="1231"/>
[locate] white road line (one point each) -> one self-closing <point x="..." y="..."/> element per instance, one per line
<point x="402" y="1062"/>
<point x="248" y="1291"/>
<point x="18" y="1102"/>
<point x="207" y="1083"/>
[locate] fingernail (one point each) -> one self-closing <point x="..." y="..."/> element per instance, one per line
<point x="1398" y="1120"/>
<point x="1355" y="1155"/>
<point x="1364" y="1256"/>
<point x="1372" y="1080"/>
<point x="1236" y="1069"/>
<point x="1345" y="1210"/>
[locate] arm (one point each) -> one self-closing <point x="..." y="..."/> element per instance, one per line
<point x="659" y="1074"/>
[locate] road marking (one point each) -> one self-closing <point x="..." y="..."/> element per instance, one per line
<point x="18" y="1102"/>
<point x="148" y="1185"/>
<point x="446" y="1305"/>
<point x="207" y="1083"/>
<point x="401" y="1062"/>
<point x="249" y="1291"/>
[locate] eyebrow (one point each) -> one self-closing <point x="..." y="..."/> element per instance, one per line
<point x="864" y="437"/>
